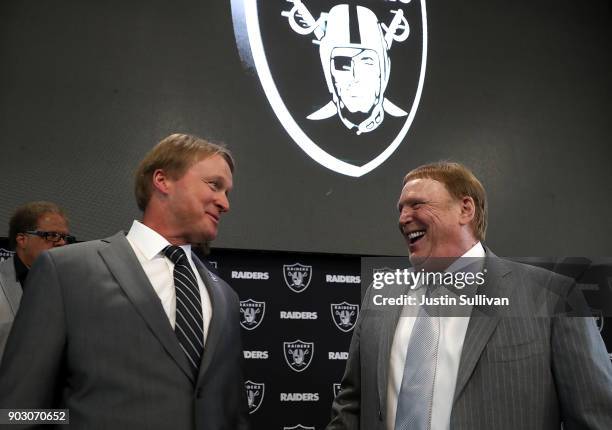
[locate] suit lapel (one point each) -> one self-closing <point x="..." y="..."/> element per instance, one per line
<point x="127" y="270"/>
<point x="12" y="288"/>
<point x="219" y="305"/>
<point x="483" y="320"/>
<point x="389" y="320"/>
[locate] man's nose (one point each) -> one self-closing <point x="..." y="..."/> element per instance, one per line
<point x="223" y="202"/>
<point x="405" y="216"/>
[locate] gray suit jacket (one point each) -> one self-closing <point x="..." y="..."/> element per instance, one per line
<point x="10" y="296"/>
<point x="514" y="373"/>
<point x="92" y="336"/>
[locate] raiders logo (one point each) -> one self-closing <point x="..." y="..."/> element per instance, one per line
<point x="5" y="254"/>
<point x="298" y="427"/>
<point x="598" y="316"/>
<point x="251" y="313"/>
<point x="344" y="315"/>
<point x="297" y="276"/>
<point x="349" y="91"/>
<point x="255" y="394"/>
<point x="336" y="389"/>
<point x="298" y="354"/>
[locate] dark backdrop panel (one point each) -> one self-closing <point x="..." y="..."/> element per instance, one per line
<point x="288" y="394"/>
<point x="518" y="91"/>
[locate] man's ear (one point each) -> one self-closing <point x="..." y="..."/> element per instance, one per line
<point x="20" y="240"/>
<point x="468" y="210"/>
<point x="161" y="181"/>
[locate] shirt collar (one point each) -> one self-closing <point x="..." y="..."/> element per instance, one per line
<point x="149" y="242"/>
<point x="21" y="270"/>
<point x="476" y="251"/>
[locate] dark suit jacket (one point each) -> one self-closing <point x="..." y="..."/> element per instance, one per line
<point x="516" y="370"/>
<point x="92" y="336"/>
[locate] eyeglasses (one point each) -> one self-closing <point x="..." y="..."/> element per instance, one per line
<point x="53" y="236"/>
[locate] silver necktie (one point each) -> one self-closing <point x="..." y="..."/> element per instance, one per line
<point x="415" y="399"/>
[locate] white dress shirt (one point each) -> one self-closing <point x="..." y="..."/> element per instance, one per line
<point x="452" y="335"/>
<point x="148" y="246"/>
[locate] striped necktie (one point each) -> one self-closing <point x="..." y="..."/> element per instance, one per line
<point x="189" y="321"/>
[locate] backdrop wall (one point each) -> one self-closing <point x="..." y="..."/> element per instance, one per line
<point x="519" y="91"/>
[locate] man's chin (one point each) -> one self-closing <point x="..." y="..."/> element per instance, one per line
<point x="416" y="260"/>
<point x="204" y="237"/>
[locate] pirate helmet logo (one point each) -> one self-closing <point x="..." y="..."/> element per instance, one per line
<point x="344" y="315"/>
<point x="297" y="276"/>
<point x="251" y="313"/>
<point x="255" y="394"/>
<point x="353" y="47"/>
<point x="298" y="354"/>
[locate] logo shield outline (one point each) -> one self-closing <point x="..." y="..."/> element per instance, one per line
<point x="288" y="276"/>
<point x="254" y="400"/>
<point x="340" y="318"/>
<point x="247" y="10"/>
<point x="336" y="388"/>
<point x="256" y="318"/>
<point x="306" y="357"/>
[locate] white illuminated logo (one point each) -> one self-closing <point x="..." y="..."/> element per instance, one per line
<point x="356" y="66"/>
<point x="354" y="49"/>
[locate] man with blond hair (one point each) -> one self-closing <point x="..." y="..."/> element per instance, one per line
<point x="133" y="332"/>
<point x="534" y="362"/>
<point x="33" y="228"/>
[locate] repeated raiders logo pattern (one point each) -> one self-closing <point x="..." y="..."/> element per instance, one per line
<point x="255" y="394"/>
<point x="297" y="276"/>
<point x="344" y="315"/>
<point x="251" y="313"/>
<point x="298" y="354"/>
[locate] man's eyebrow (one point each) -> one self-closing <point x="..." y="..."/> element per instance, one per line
<point x="217" y="178"/>
<point x="411" y="201"/>
<point x="213" y="177"/>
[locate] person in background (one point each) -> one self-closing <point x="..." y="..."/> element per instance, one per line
<point x="33" y="228"/>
